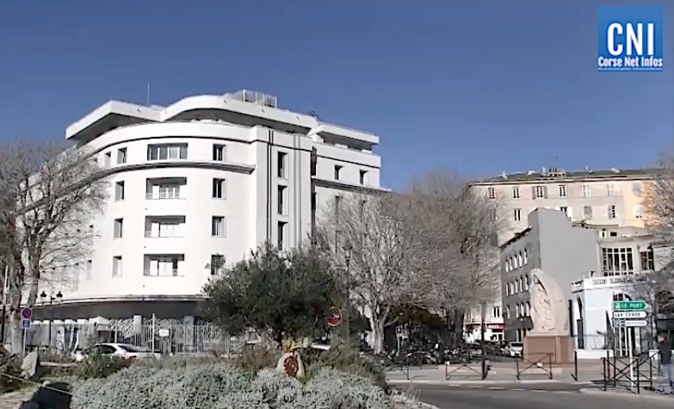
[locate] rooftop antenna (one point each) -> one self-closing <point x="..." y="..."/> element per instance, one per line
<point x="147" y="100"/>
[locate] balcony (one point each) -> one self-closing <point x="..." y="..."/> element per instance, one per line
<point x="165" y="188"/>
<point x="165" y="227"/>
<point x="164" y="265"/>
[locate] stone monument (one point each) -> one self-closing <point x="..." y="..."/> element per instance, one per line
<point x="550" y="334"/>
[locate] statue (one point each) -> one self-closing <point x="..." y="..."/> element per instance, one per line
<point x="549" y="306"/>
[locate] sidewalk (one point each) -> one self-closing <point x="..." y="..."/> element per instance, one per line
<point x="622" y="393"/>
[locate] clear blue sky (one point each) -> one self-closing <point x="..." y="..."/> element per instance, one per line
<point x="478" y="87"/>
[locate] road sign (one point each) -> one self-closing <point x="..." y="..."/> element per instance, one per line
<point x="26" y="313"/>
<point x="334" y="317"/>
<point x="638" y="305"/>
<point x="25" y="324"/>
<point x="635" y="323"/>
<point x="629" y="314"/>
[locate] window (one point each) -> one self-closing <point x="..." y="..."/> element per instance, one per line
<point x="539" y="192"/>
<point x="89" y="270"/>
<point x="163" y="266"/>
<point x="218" y="226"/>
<point x="121" y="156"/>
<point x="167" y="151"/>
<point x="587" y="212"/>
<point x="338" y="171"/>
<point x="496" y="312"/>
<point x="313" y="165"/>
<point x="638" y="212"/>
<point x="585" y="191"/>
<point x="119" y="228"/>
<point x="507" y="312"/>
<point x="520" y="260"/>
<point x="119" y="191"/>
<point x="526" y="283"/>
<point x="491" y="193"/>
<point x="636" y="188"/>
<point x="362" y="177"/>
<point x="281" y="197"/>
<point x="647" y="260"/>
<point x="107" y="158"/>
<point x="281" y="159"/>
<point x="168" y="192"/>
<point x="617" y="261"/>
<point x="516" y="192"/>
<point x="611" y="212"/>
<point x="314" y="199"/>
<point x="610" y="189"/>
<point x="217" y="263"/>
<point x="526" y="256"/>
<point x="506" y="265"/>
<point x="219" y="153"/>
<point x="562" y="190"/>
<point x="565" y="210"/>
<point x="219" y="189"/>
<point x="164" y="227"/>
<point x="517" y="214"/>
<point x="117" y="266"/>
<point x="281" y="235"/>
<point x="338" y="204"/>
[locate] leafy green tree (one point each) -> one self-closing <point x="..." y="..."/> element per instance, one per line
<point x="281" y="294"/>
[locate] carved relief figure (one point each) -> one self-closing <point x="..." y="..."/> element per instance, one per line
<point x="543" y="317"/>
<point x="549" y="305"/>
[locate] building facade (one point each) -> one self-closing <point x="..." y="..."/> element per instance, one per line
<point x="553" y="244"/>
<point x="609" y="198"/>
<point x="197" y="184"/>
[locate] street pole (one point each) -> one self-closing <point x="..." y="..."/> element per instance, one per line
<point x="347" y="312"/>
<point x="484" y="357"/>
<point x="4" y="306"/>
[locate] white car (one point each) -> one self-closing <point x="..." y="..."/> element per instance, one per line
<point x="514" y="349"/>
<point x="125" y="351"/>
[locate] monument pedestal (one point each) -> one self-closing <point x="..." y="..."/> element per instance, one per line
<point x="537" y="346"/>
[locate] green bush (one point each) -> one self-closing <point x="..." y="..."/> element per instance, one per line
<point x="11" y="379"/>
<point x="179" y="361"/>
<point x="343" y="358"/>
<point x="330" y="388"/>
<point x="57" y="357"/>
<point x="101" y="366"/>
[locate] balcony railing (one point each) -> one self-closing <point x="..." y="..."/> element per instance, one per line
<point x="153" y="273"/>
<point x="163" y="234"/>
<point x="163" y="195"/>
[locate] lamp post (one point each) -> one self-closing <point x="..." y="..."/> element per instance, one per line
<point x="483" y="312"/>
<point x="347" y="307"/>
<point x="51" y="298"/>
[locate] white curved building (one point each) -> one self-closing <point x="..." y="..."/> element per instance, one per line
<point x="207" y="178"/>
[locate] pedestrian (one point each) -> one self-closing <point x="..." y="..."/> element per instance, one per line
<point x="665" y="350"/>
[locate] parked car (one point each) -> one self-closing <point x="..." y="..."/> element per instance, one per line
<point x="514" y="349"/>
<point x="121" y="350"/>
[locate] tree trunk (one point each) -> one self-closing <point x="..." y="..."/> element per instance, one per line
<point x="378" y="328"/>
<point x="16" y="332"/>
<point x="34" y="277"/>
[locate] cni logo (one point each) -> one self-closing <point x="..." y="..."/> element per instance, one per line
<point x="630" y="39"/>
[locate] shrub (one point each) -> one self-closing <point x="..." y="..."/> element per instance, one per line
<point x="179" y="361"/>
<point x="101" y="366"/>
<point x="331" y="389"/>
<point x="257" y="357"/>
<point x="199" y="386"/>
<point x="10" y="367"/>
<point x="57" y="357"/>
<point x="276" y="389"/>
<point x="344" y="358"/>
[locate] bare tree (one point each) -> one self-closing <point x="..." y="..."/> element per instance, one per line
<point x="455" y="230"/>
<point x="47" y="197"/>
<point x="365" y="236"/>
<point x="658" y="203"/>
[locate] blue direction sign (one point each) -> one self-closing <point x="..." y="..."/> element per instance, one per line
<point x="638" y="305"/>
<point x="25" y="324"/>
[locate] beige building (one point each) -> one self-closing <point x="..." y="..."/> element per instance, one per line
<point x="605" y="199"/>
<point x="602" y="197"/>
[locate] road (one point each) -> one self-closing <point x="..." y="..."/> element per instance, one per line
<point x="527" y="397"/>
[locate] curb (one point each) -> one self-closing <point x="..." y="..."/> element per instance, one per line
<point x="642" y="396"/>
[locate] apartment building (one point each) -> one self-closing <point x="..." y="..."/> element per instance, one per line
<point x="605" y="198"/>
<point x="197" y="184"/>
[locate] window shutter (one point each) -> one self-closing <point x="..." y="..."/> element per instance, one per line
<point x="545" y="192"/>
<point x="533" y="192"/>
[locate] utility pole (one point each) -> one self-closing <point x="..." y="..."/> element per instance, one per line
<point x="5" y="286"/>
<point x="483" y="311"/>
<point x="346" y="315"/>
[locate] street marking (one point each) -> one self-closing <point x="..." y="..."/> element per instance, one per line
<point x="496" y="388"/>
<point x="517" y="389"/>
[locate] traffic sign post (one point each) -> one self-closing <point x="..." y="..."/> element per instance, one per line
<point x="27" y="313"/>
<point x="638" y="305"/>
<point x="334" y="317"/>
<point x="25" y="324"/>
<point x="629" y="314"/>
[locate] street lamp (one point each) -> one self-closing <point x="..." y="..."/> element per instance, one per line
<point x="52" y="298"/>
<point x="347" y="308"/>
